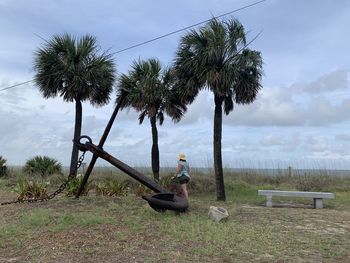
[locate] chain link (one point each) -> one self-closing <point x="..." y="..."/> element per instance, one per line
<point x="58" y="191"/>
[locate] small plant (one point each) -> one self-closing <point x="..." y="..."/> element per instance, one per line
<point x="165" y="181"/>
<point x="30" y="189"/>
<point x="202" y="184"/>
<point x="313" y="183"/>
<point x="112" y="188"/>
<point x="73" y="186"/>
<point x="142" y="190"/>
<point x="42" y="165"/>
<point x="3" y="167"/>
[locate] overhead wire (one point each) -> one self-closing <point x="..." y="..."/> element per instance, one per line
<point x="186" y="28"/>
<point x="16" y="85"/>
<point x="159" y="37"/>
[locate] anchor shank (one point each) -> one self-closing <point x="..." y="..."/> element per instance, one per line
<point x="125" y="168"/>
<point x="109" y="125"/>
<point x="100" y="145"/>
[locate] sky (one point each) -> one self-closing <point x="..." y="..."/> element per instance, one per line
<point x="300" y="117"/>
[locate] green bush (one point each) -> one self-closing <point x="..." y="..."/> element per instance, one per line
<point x="3" y="167"/>
<point x="43" y="166"/>
<point x="112" y="188"/>
<point x="73" y="186"/>
<point x="30" y="189"/>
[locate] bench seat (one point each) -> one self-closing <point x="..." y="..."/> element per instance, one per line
<point x="317" y="196"/>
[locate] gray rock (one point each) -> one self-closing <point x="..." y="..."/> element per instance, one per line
<point x="217" y="213"/>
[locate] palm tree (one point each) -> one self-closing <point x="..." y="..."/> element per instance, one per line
<point x="149" y="90"/>
<point x="216" y="58"/>
<point x="75" y="70"/>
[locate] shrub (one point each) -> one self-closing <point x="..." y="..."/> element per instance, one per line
<point x="165" y="181"/>
<point x="3" y="167"/>
<point x="43" y="166"/>
<point x="112" y="188"/>
<point x="73" y="186"/>
<point x="202" y="184"/>
<point x="142" y="190"/>
<point x="30" y="189"/>
<point x="313" y="183"/>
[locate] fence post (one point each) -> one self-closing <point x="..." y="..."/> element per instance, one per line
<point x="290" y="171"/>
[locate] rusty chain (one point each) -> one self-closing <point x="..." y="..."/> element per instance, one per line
<point x="58" y="191"/>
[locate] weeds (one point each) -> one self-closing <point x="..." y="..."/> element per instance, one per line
<point x="202" y="184"/>
<point x="141" y="190"/>
<point x="111" y="188"/>
<point x="73" y="186"/>
<point x="69" y="219"/>
<point x="30" y="189"/>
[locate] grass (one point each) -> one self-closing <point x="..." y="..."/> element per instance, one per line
<point x="125" y="229"/>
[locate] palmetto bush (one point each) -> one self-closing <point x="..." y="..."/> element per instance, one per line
<point x="3" y="167"/>
<point x="30" y="189"/>
<point x="42" y="165"/>
<point x="112" y="188"/>
<point x="73" y="186"/>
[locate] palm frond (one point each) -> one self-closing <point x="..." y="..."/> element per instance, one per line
<point x="249" y="76"/>
<point x="215" y="57"/>
<point x="74" y="69"/>
<point x="142" y="116"/>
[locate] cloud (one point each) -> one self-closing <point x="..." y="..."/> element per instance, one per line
<point x="201" y="109"/>
<point x="302" y="104"/>
<point x="298" y="105"/>
<point x="324" y="112"/>
<point x="272" y="140"/>
<point x="342" y="137"/>
<point x="317" y="144"/>
<point x="333" y="81"/>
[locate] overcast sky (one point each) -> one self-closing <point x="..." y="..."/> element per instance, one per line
<point x="301" y="117"/>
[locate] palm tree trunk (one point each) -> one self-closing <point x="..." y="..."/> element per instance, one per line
<point x="155" y="149"/>
<point x="77" y="133"/>
<point x="219" y="177"/>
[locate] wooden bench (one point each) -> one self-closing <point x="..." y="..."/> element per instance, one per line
<point x="317" y="196"/>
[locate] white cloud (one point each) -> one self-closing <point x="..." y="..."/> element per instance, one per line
<point x="298" y="105"/>
<point x="333" y="81"/>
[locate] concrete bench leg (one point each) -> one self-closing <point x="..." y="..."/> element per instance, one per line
<point x="318" y="203"/>
<point x="269" y="201"/>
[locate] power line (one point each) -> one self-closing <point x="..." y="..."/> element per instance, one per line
<point x="16" y="85"/>
<point x="160" y="37"/>
<point x="185" y="28"/>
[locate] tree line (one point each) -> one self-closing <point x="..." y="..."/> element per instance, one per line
<point x="214" y="57"/>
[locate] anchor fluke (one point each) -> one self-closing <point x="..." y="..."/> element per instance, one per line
<point x="163" y="201"/>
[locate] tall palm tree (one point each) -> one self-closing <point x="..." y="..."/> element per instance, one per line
<point x="149" y="90"/>
<point x="75" y="70"/>
<point x="216" y="58"/>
